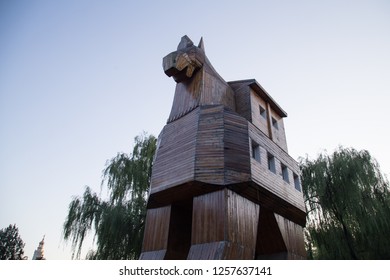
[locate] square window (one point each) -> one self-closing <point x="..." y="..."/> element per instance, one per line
<point x="285" y="173"/>
<point x="263" y="112"/>
<point x="271" y="163"/>
<point x="297" y="182"/>
<point x="256" y="151"/>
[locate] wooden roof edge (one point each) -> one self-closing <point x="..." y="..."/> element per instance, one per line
<point x="263" y="94"/>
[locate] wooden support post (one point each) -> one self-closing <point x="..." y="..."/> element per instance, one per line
<point x="278" y="238"/>
<point x="224" y="226"/>
<point x="293" y="238"/>
<point x="155" y="243"/>
<point x="168" y="232"/>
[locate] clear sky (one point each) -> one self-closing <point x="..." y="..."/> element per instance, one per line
<point x="80" y="79"/>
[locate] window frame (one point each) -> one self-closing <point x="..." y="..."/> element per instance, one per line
<point x="275" y="123"/>
<point x="256" y="153"/>
<point x="297" y="182"/>
<point x="271" y="162"/>
<point x="263" y="111"/>
<point x="285" y="175"/>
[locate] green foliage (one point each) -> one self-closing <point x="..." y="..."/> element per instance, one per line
<point x="118" y="223"/>
<point x="11" y="244"/>
<point x="348" y="205"/>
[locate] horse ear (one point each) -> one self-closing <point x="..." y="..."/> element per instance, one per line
<point x="201" y="44"/>
<point x="185" y="42"/>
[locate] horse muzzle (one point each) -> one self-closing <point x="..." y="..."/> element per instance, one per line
<point x="180" y="66"/>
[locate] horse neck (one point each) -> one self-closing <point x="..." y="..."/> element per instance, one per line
<point x="206" y="87"/>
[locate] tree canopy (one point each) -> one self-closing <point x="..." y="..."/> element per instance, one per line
<point x="118" y="222"/>
<point x="348" y="204"/>
<point x="11" y="244"/>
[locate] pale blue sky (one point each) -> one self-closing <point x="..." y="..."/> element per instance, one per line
<point x="80" y="79"/>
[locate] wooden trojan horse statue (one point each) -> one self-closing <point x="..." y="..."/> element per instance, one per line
<point x="223" y="185"/>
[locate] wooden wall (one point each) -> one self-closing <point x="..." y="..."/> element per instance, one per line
<point x="243" y="100"/>
<point x="175" y="158"/>
<point x="209" y="166"/>
<point x="209" y="145"/>
<point x="210" y="148"/>
<point x="258" y="120"/>
<point x="278" y="134"/>
<point x="249" y="96"/>
<point x="274" y="182"/>
<point x="222" y="147"/>
<point x="236" y="148"/>
<point x="215" y="90"/>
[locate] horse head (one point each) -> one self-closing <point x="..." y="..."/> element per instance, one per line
<point x="185" y="61"/>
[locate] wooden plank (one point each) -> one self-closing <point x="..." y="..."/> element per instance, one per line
<point x="293" y="237"/>
<point x="236" y="149"/>
<point x="243" y="101"/>
<point x="175" y="158"/>
<point x="209" y="213"/>
<point x="231" y="223"/>
<point x="156" y="231"/>
<point x="209" y="165"/>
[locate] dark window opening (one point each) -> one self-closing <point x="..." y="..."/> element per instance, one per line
<point x="271" y="163"/>
<point x="275" y="123"/>
<point x="297" y="182"/>
<point x="285" y="173"/>
<point x="263" y="112"/>
<point x="255" y="151"/>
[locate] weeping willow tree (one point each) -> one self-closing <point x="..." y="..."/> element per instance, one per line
<point x="117" y="222"/>
<point x="348" y="205"/>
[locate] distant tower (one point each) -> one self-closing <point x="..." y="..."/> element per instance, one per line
<point x="39" y="252"/>
<point x="223" y="185"/>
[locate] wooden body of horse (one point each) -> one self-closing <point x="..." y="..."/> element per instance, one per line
<point x="205" y="202"/>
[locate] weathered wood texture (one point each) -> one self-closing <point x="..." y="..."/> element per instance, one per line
<point x="258" y="119"/>
<point x="278" y="131"/>
<point x="168" y="232"/>
<point x="243" y="100"/>
<point x="211" y="197"/>
<point x="155" y="242"/>
<point x="251" y="99"/>
<point x="174" y="163"/>
<point x="293" y="237"/>
<point x="222" y="147"/>
<point x="273" y="182"/>
<point x="253" y="84"/>
<point x="224" y="226"/>
<point x="278" y="238"/>
<point x="205" y="87"/>
<point x="209" y="145"/>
